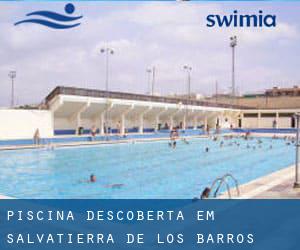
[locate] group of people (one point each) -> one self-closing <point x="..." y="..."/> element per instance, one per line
<point x="106" y="130"/>
<point x="246" y="136"/>
<point x="174" y="135"/>
<point x="258" y="143"/>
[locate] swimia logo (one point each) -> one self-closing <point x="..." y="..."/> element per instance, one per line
<point x="52" y="19"/>
<point x="242" y="20"/>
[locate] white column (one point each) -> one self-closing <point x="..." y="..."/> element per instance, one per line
<point x="184" y="122"/>
<point x="142" y="118"/>
<point x="171" y="122"/>
<point x="195" y="122"/>
<point x="102" y="123"/>
<point x="77" y="116"/>
<point x="141" y="124"/>
<point x="123" y="119"/>
<point x="258" y="119"/>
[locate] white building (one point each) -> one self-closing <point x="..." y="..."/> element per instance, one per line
<point x="70" y="109"/>
<point x="74" y="108"/>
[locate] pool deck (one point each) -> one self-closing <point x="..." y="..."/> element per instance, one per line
<point x="98" y="142"/>
<point x="130" y="140"/>
<point x="5" y="197"/>
<point x="277" y="185"/>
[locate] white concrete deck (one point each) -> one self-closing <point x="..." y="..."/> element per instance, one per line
<point x="90" y="143"/>
<point x="277" y="185"/>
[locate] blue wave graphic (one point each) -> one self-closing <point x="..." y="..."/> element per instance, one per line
<point x="48" y="24"/>
<point x="54" y="16"/>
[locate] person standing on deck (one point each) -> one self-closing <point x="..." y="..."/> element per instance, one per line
<point x="36" y="137"/>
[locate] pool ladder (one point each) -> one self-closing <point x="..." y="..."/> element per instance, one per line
<point x="223" y="180"/>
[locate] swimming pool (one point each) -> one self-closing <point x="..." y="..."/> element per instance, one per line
<point x="147" y="170"/>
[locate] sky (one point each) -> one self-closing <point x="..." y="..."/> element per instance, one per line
<point x="144" y="34"/>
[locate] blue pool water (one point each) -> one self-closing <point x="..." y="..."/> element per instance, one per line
<point x="147" y="170"/>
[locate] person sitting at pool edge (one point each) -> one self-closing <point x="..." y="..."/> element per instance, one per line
<point x="205" y="193"/>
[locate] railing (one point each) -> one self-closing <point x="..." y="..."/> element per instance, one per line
<point x="220" y="182"/>
<point x="130" y="96"/>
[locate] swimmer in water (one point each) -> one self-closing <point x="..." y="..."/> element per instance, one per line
<point x="185" y="141"/>
<point x="207" y="149"/>
<point x="93" y="178"/>
<point x="117" y="185"/>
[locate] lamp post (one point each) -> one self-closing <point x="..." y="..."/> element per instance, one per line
<point x="149" y="72"/>
<point x="107" y="51"/>
<point x="12" y="75"/>
<point x="217" y="91"/>
<point x="153" y="79"/>
<point x="233" y="44"/>
<point x="297" y="181"/>
<point x="188" y="69"/>
<point x="153" y="72"/>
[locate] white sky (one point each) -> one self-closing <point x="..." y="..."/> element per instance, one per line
<point x="167" y="35"/>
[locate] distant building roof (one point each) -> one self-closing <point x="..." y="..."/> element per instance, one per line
<point x="276" y="91"/>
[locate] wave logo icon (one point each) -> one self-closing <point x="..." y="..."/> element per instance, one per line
<point x="53" y="20"/>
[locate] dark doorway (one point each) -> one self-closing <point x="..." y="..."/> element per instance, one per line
<point x="293" y="122"/>
<point x="240" y="123"/>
